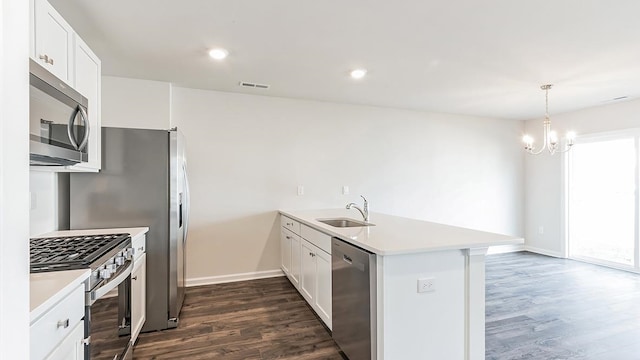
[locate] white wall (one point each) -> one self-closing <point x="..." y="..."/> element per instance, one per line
<point x="133" y="103"/>
<point x="544" y="173"/>
<point x="48" y="205"/>
<point x="14" y="180"/>
<point x="247" y="155"/>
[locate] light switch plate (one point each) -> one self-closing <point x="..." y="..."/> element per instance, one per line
<point x="426" y="285"/>
<point x="345" y="190"/>
<point x="300" y="190"/>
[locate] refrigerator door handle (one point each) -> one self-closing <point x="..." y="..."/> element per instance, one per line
<point x="187" y="203"/>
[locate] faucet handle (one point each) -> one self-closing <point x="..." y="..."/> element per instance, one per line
<point x="365" y="208"/>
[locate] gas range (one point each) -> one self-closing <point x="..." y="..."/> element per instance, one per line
<point x="103" y="254"/>
<point x="110" y="258"/>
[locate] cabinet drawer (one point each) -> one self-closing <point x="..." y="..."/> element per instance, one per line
<point x="48" y="331"/>
<point x="290" y="224"/>
<point x="139" y="244"/>
<point x="317" y="238"/>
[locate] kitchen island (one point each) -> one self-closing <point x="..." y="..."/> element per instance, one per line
<point x="444" y="322"/>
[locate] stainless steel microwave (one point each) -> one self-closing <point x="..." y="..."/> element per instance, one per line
<point x="58" y="122"/>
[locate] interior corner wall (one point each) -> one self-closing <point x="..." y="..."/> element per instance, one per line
<point x="544" y="174"/>
<point x="135" y="103"/>
<point x="14" y="179"/>
<point x="248" y="154"/>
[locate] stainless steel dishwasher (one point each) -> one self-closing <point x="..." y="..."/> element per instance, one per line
<point x="353" y="273"/>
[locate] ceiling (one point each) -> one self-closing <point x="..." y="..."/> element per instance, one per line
<point x="485" y="58"/>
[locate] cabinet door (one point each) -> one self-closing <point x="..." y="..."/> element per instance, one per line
<point x="322" y="303"/>
<point x="308" y="272"/>
<point x="294" y="270"/>
<point x="138" y="296"/>
<point x="53" y="41"/>
<point x="285" y="251"/>
<point x="88" y="71"/>
<point x="71" y="348"/>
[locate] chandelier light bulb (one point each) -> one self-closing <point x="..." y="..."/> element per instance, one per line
<point x="527" y="139"/>
<point x="553" y="137"/>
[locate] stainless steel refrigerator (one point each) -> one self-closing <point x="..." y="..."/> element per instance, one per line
<point x="143" y="182"/>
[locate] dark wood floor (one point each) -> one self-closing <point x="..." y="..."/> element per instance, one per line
<point x="260" y="319"/>
<point x="537" y="307"/>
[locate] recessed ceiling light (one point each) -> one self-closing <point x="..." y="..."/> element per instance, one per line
<point x="219" y="53"/>
<point x="358" y="73"/>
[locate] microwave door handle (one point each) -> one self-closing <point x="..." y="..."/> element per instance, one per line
<point x="85" y="118"/>
<point x="72" y="121"/>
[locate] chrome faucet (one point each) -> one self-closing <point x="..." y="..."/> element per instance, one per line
<point x="364" y="211"/>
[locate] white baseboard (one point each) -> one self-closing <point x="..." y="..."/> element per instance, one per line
<point x="220" y="279"/>
<point x="502" y="249"/>
<point x="543" y="251"/>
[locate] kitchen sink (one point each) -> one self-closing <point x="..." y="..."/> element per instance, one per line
<point x="344" y="222"/>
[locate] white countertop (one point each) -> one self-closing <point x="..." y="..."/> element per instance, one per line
<point x="394" y="235"/>
<point x="48" y="288"/>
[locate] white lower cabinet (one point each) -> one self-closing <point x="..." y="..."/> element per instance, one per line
<point x="306" y="260"/>
<point x="290" y="256"/>
<point x="315" y="281"/>
<point x="294" y="274"/>
<point x="72" y="347"/>
<point x="322" y="303"/>
<point x="285" y="251"/>
<point x="138" y="286"/>
<point x="308" y="276"/>
<point x="60" y="329"/>
<point x="138" y="296"/>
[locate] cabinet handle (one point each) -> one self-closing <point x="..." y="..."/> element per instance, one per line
<point x="312" y="254"/>
<point x="46" y="59"/>
<point x="289" y="224"/>
<point x="134" y="277"/>
<point x="141" y="248"/>
<point x="288" y="237"/>
<point x="63" y="324"/>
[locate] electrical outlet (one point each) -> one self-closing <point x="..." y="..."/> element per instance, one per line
<point x="300" y="190"/>
<point x="345" y="190"/>
<point x="541" y="230"/>
<point x="426" y="285"/>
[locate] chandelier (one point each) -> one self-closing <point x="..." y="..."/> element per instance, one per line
<point x="551" y="142"/>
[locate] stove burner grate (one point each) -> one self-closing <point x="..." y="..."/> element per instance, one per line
<point x="70" y="252"/>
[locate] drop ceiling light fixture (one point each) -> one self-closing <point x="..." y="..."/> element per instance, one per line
<point x="551" y="142"/>
<point x="358" y="73"/>
<point x="219" y="53"/>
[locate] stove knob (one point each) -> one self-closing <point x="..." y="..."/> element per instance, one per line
<point x="130" y="253"/>
<point x="105" y="273"/>
<point x="120" y="260"/>
<point x="111" y="267"/>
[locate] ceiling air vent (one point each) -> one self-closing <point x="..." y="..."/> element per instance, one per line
<point x="253" y="85"/>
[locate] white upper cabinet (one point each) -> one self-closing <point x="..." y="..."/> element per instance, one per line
<point x="56" y="47"/>
<point x="52" y="41"/>
<point x="87" y="74"/>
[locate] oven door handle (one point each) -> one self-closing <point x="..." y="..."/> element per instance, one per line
<point x="92" y="296"/>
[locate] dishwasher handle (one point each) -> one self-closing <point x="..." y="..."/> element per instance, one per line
<point x="353" y="264"/>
